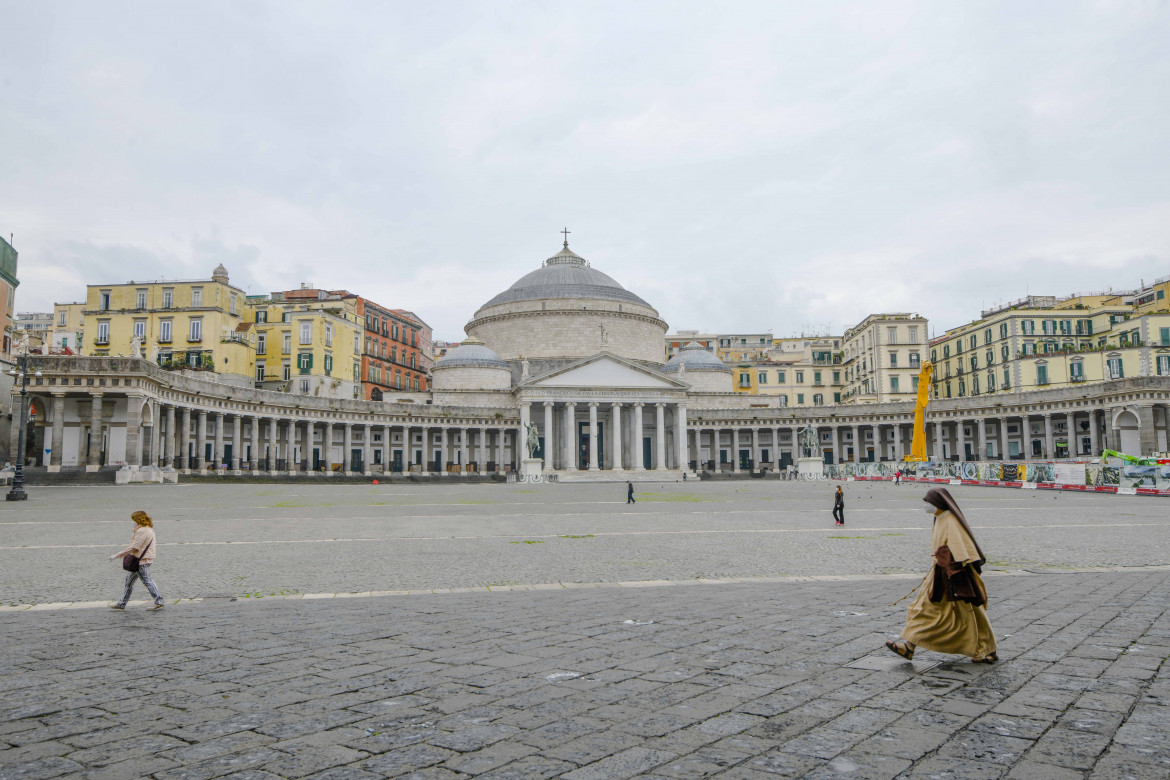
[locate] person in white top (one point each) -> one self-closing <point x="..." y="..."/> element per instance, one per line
<point x="142" y="545"/>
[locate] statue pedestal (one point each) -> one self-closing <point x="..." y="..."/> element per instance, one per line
<point x="810" y="467"/>
<point x="531" y="467"/>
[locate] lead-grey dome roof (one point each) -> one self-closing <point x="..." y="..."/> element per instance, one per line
<point x="696" y="358"/>
<point x="471" y="353"/>
<point x="566" y="275"/>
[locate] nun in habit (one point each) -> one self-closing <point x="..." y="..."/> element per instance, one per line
<point x="949" y="615"/>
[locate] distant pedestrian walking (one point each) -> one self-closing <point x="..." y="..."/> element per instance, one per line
<point x="839" y="506"/>
<point x="141" y="547"/>
<point x="898" y="477"/>
<point x="630" y="493"/>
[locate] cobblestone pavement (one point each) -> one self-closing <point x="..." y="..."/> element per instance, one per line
<point x="688" y="681"/>
<point x="262" y="540"/>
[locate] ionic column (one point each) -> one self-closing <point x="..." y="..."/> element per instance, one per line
<point x="273" y="454"/>
<point x="94" y="459"/>
<point x="1049" y="442"/>
<point x="735" y="450"/>
<point x="169" y="458"/>
<point x="1070" y="433"/>
<point x="237" y="441"/>
<point x="201" y="441"/>
<point x="635" y="440"/>
<point x="617" y="462"/>
<point x="347" y="449"/>
<point x="185" y="441"/>
<point x="938" y="452"/>
<point x="327" y="445"/>
<point x="464" y="449"/>
<point x="660" y="437"/>
<point x="133" y="430"/>
<point x="58" y="440"/>
<point x="548" y="435"/>
<point x="254" y="455"/>
<point x="572" y="446"/>
<point x="593" y="435"/>
<point x="499" y="450"/>
<point x="156" y="435"/>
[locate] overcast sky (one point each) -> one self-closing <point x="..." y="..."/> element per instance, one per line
<point x="742" y="166"/>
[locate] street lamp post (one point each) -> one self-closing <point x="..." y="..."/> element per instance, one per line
<point x="21" y="372"/>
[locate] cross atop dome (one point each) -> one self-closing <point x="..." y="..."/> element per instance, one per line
<point x="566" y="231"/>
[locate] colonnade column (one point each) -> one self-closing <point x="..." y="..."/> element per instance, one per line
<point x="981" y="431"/>
<point x="593" y="435"/>
<point x="1049" y="442"/>
<point x="237" y="443"/>
<point x="201" y="441"/>
<point x="681" y="437"/>
<point x="858" y="446"/>
<point x="1070" y="434"/>
<point x="1094" y="440"/>
<point x="572" y="447"/>
<point x="327" y="445"/>
<point x="897" y="431"/>
<point x="368" y="450"/>
<point x="548" y="436"/>
<point x="347" y="449"/>
<point x="133" y="430"/>
<point x="464" y="450"/>
<point x="169" y="458"/>
<point x="481" y="458"/>
<point x="960" y="441"/>
<point x="499" y="450"/>
<point x="795" y="444"/>
<point x="636" y="454"/>
<point x="833" y="442"/>
<point x="184" y="441"/>
<point x="660" y="435"/>
<point x="735" y="450"/>
<point x="94" y="460"/>
<point x="270" y="456"/>
<point x="387" y="448"/>
<point x="58" y="440"/>
<point x="441" y="462"/>
<point x="254" y="445"/>
<point x="616" y="461"/>
<point x="755" y="449"/>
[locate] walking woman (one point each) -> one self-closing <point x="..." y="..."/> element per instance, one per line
<point x="839" y="506"/>
<point x="949" y="615"/>
<point x="142" y="547"/>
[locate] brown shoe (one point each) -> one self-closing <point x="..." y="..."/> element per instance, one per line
<point x="156" y="606"/>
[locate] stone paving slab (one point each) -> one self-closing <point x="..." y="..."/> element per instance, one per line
<point x="735" y="680"/>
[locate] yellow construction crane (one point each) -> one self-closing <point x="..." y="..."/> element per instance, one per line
<point x="918" y="446"/>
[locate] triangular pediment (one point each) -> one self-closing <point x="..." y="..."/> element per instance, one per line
<point x="606" y="371"/>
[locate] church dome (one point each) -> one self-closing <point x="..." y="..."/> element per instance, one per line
<point x="470" y="354"/>
<point x="566" y="275"/>
<point x="696" y="358"/>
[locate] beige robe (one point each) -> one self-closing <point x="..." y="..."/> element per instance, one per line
<point x="949" y="626"/>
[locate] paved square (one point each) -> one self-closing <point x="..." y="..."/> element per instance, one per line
<point x="743" y="641"/>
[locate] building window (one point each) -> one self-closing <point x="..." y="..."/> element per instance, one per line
<point x="261" y="342"/>
<point x="800" y="399"/>
<point x="196" y="331"/>
<point x="800" y="377"/>
<point x="304" y="387"/>
<point x="1003" y="330"/>
<point x="286" y="343"/>
<point x="168" y="297"/>
<point x="893" y="384"/>
<point x="1007" y="382"/>
<point x="893" y="360"/>
<point x="306" y="332"/>
<point x="103" y="334"/>
<point x="818" y="399"/>
<point x="1076" y="370"/>
<point x="991" y="381"/>
<point x="974" y="385"/>
<point x="836" y="377"/>
<point x="140" y="299"/>
<point x="763" y="377"/>
<point x="987" y="336"/>
<point x="891" y="335"/>
<point x="946" y="351"/>
<point x="305" y="362"/>
<point x="328" y="365"/>
<point x="104" y="300"/>
<point x="261" y="316"/>
<point x="357" y="343"/>
<point x="232" y="304"/>
<point x="934" y="356"/>
<point x="61" y="320"/>
<point x="1164" y="332"/>
<point x="974" y="362"/>
<point x="1116" y="370"/>
<point x="784" y="399"/>
<point x="1041" y="375"/>
<point x="196" y="296"/>
<point x="780" y="377"/>
<point x="260" y="371"/>
<point x="816" y="377"/>
<point x="1163" y="365"/>
<point x="286" y="370"/>
<point x="164" y="331"/>
<point x="140" y="329"/>
<point x="912" y="335"/>
<point x="745" y="379"/>
<point x="974" y="341"/>
<point x="329" y="338"/>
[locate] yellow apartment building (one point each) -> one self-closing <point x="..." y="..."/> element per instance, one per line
<point x="182" y="325"/>
<point x="802" y="371"/>
<point x="69" y="326"/>
<point x="882" y="356"/>
<point x="307" y="345"/>
<point x="1043" y="341"/>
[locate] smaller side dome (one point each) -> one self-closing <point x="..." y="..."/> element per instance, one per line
<point x="220" y="274"/>
<point x="471" y="353"/>
<point x="695" y="357"/>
